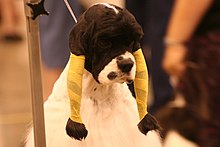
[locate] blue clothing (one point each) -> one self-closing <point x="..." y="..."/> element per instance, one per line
<point x="54" y="32"/>
<point x="153" y="16"/>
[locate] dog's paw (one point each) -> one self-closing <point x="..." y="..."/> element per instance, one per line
<point x="148" y="123"/>
<point x="76" y="130"/>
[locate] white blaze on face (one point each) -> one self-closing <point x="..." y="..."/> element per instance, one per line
<point x="110" y="6"/>
<point x="112" y="67"/>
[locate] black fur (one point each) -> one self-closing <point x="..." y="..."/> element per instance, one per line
<point x="76" y="130"/>
<point x="102" y="35"/>
<point x="148" y="123"/>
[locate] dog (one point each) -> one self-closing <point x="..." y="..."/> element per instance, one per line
<point x="107" y="35"/>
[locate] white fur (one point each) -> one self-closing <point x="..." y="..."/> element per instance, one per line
<point x="109" y="113"/>
<point x="113" y="67"/>
<point x="109" y="6"/>
<point x="89" y="3"/>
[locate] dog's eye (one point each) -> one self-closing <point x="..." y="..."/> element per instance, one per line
<point x="104" y="44"/>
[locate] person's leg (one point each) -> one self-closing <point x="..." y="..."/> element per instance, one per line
<point x="163" y="92"/>
<point x="157" y="16"/>
<point x="147" y="13"/>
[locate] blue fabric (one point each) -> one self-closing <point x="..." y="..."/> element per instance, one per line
<point x="54" y="32"/>
<point x="153" y="16"/>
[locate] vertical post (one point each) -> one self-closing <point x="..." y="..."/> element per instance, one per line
<point x="35" y="74"/>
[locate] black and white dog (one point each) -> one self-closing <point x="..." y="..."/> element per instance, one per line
<point x="107" y="35"/>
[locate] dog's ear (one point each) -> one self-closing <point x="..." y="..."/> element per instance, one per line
<point x="75" y="37"/>
<point x="138" y="32"/>
<point x="138" y="36"/>
<point x="136" y="46"/>
<point x="147" y="122"/>
<point x="87" y="37"/>
<point x="76" y="33"/>
<point x="80" y="37"/>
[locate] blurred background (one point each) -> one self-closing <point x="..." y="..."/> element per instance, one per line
<point x="15" y="91"/>
<point x="181" y="45"/>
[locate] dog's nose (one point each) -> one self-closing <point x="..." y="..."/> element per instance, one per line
<point x="125" y="65"/>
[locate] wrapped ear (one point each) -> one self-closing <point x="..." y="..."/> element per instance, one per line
<point x="80" y="38"/>
<point x="76" y="41"/>
<point x="147" y="122"/>
<point x="75" y="127"/>
<point x="79" y="43"/>
<point x="74" y="85"/>
<point x="141" y="83"/>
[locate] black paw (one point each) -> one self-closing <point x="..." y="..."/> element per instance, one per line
<point x="76" y="130"/>
<point x="148" y="123"/>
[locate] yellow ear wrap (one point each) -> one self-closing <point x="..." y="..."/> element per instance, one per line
<point x="75" y="127"/>
<point x="141" y="83"/>
<point x="147" y="121"/>
<point x="74" y="85"/>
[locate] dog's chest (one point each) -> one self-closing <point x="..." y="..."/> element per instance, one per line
<point x="104" y="94"/>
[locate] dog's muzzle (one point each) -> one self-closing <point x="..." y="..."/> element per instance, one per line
<point x="121" y="69"/>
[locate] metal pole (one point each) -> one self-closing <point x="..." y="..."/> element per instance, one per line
<point x="35" y="74"/>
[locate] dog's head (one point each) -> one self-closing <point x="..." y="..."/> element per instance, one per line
<point x="107" y="35"/>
